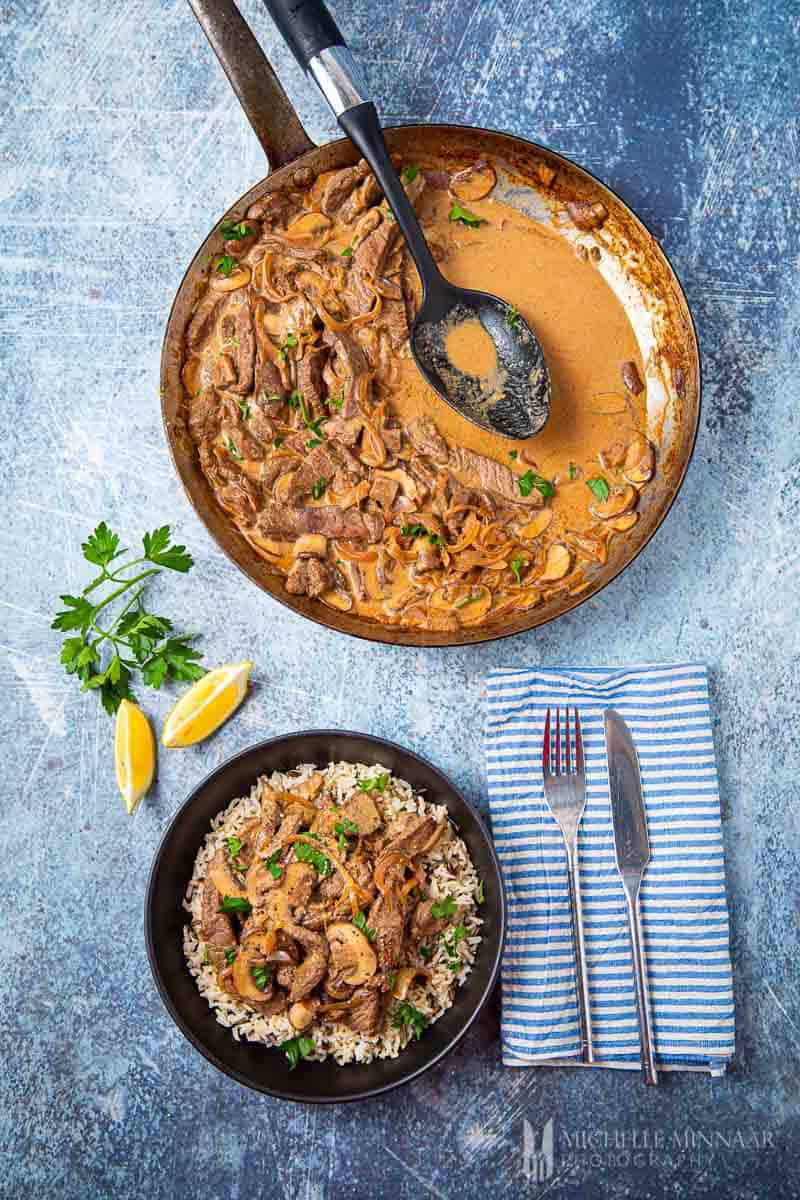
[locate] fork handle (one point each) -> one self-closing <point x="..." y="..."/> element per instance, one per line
<point x="581" y="977"/>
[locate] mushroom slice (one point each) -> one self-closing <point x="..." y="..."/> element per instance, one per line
<point x="260" y="941"/>
<point x="558" y="562"/>
<point x="303" y="1012"/>
<point x="640" y="460"/>
<point x="594" y="548"/>
<point x="620" y="500"/>
<point x="625" y="522"/>
<point x="310" y="225"/>
<point x="248" y="959"/>
<point x="315" y="544"/>
<point x="352" y="959"/>
<point x="224" y="879"/>
<point x="238" y="278"/>
<point x="474" y="182"/>
<point x="337" y="598"/>
<point x="404" y="978"/>
<point x="538" y="525"/>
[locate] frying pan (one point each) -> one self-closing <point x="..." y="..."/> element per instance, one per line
<point x="632" y="262"/>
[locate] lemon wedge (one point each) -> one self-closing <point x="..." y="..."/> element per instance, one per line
<point x="207" y="704"/>
<point x="134" y="753"/>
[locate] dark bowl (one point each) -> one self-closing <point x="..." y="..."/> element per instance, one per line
<point x="258" y="1066"/>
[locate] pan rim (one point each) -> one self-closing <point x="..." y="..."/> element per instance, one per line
<point x="152" y="884"/>
<point x="391" y="635"/>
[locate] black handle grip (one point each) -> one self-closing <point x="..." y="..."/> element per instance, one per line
<point x="306" y="26"/>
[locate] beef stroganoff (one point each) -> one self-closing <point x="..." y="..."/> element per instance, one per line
<point x="336" y="461"/>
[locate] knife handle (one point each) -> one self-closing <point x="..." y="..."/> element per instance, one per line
<point x="642" y="990"/>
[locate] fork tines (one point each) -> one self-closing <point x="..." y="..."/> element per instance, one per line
<point x="562" y="762"/>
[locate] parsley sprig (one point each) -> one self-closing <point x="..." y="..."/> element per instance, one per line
<point x="137" y="640"/>
<point x="296" y="1048"/>
<point x="360" y="922"/>
<point x="375" y="784"/>
<point x="407" y="1014"/>
<point x="531" y="480"/>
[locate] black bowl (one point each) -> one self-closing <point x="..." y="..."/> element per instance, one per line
<point x="258" y="1066"/>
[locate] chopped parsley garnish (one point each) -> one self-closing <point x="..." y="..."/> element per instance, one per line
<point x="531" y="480"/>
<point x="360" y="922"/>
<point x="234" y="453"/>
<point x="291" y="341"/>
<point x="513" y="455"/>
<point x="389" y="215"/>
<point x="344" y="829"/>
<point x="420" y="531"/>
<point x="410" y="174"/>
<point x="348" y="250"/>
<point x="376" y="784"/>
<point x="599" y="488"/>
<point x="457" y="213"/>
<point x="230" y="957"/>
<point x="450" y="941"/>
<point x="465" y="600"/>
<point x="225" y="264"/>
<point x="262" y="973"/>
<point x="235" y="233"/>
<point x="234" y="845"/>
<point x="573" y="471"/>
<point x="310" y="854"/>
<point x="319" y="487"/>
<point x="426" y="951"/>
<point x="335" y="402"/>
<point x="444" y="908"/>
<point x="230" y="904"/>
<point x="516" y="565"/>
<point x="513" y="319"/>
<point x="406" y="1014"/>
<point x="312" y="442"/>
<point x="295" y="400"/>
<point x="270" y="399"/>
<point x="480" y="892"/>
<point x="244" y="409"/>
<point x="391" y="980"/>
<point x="279" y="440"/>
<point x="271" y="864"/>
<point x="296" y="1048"/>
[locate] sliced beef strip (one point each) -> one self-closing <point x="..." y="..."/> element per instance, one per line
<point x="365" y="1015"/>
<point x="429" y="557"/>
<point x="314" y="965"/>
<point x="360" y="199"/>
<point x="309" y="381"/>
<point x="202" y="320"/>
<point x="284" y="521"/>
<point x="425" y="924"/>
<point x="426" y="439"/>
<point x="259" y="424"/>
<point x="343" y="431"/>
<point x="341" y="184"/>
<point x="241" y="498"/>
<point x="245" y="352"/>
<point x="383" y="491"/>
<point x="392" y="438"/>
<point x="369" y="260"/>
<point x="386" y="917"/>
<point x="321" y="463"/>
<point x="204" y="415"/>
<point x="238" y="247"/>
<point x="352" y="357"/>
<point x="395" y="321"/>
<point x="375" y="525"/>
<point x="493" y="476"/>
<point x="224" y="372"/>
<point x="410" y="833"/>
<point x="216" y="927"/>
<point x="270" y="207"/>
<point x="311" y="577"/>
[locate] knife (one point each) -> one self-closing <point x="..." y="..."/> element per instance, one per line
<point x="633" y="854"/>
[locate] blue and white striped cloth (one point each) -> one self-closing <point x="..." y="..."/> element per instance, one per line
<point x="684" y="909"/>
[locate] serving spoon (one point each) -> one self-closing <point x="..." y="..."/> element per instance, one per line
<point x="517" y="403"/>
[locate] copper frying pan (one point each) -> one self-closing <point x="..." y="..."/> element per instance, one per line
<point x="632" y="263"/>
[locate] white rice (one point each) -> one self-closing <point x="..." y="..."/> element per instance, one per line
<point x="448" y="871"/>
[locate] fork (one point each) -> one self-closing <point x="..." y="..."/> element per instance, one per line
<point x="565" y="793"/>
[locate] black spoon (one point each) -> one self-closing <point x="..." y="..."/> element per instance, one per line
<point x="516" y="403"/>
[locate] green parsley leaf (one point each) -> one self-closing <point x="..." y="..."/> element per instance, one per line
<point x="310" y="854"/>
<point x="271" y="864"/>
<point x="230" y="957"/>
<point x="465" y="600"/>
<point x="261" y="974"/>
<point x="244" y="409"/>
<point x="319" y="487"/>
<point x="457" y="213"/>
<point x="513" y="455"/>
<point x="335" y="402"/>
<point x="225" y="264"/>
<point x="376" y="784"/>
<point x="599" y="488"/>
<point x="78" y="614"/>
<point x="573" y="471"/>
<point x="406" y="1014"/>
<point x="444" y="908"/>
<point x="410" y="174"/>
<point x="513" y="319"/>
<point x="391" y="980"/>
<point x="451" y="940"/>
<point x="346" y="253"/>
<point x="312" y="442"/>
<point x="360" y="922"/>
<point x="101" y="546"/>
<point x="516" y="565"/>
<point x="270" y="399"/>
<point x="230" y="904"/>
<point x="279" y="440"/>
<point x="295" y="400"/>
<point x="157" y="549"/>
<point x="234" y="845"/>
<point x="426" y="951"/>
<point x="235" y="233"/>
<point x="296" y="1048"/>
<point x="234" y="453"/>
<point x="419" y="531"/>
<point x="530" y="480"/>
<point x="343" y="830"/>
<point x="480" y="892"/>
<point x="389" y="214"/>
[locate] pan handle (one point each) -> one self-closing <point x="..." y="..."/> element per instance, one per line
<point x="265" y="103"/>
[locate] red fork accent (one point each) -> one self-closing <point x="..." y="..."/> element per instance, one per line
<point x="578" y="744"/>
<point x="558" y="741"/>
<point x="546" y="745"/>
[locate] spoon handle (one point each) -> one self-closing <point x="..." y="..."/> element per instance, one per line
<point x="316" y="42"/>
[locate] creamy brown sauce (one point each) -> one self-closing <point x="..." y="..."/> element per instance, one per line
<point x="533" y="537"/>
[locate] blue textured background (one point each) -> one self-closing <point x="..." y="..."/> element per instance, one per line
<point x="120" y="143"/>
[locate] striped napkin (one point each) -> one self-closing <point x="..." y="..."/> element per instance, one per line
<point x="684" y="910"/>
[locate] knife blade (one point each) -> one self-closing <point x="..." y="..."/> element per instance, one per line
<point x="632" y="847"/>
